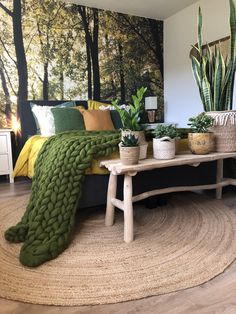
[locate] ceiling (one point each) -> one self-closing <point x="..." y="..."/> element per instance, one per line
<point x="156" y="9"/>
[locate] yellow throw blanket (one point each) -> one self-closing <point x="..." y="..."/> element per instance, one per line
<point x="26" y="160"/>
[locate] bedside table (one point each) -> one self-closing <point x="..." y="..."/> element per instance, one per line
<point x="6" y="166"/>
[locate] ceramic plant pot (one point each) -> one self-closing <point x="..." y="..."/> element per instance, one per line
<point x="140" y="135"/>
<point x="201" y="143"/>
<point x="164" y="148"/>
<point x="129" y="155"/>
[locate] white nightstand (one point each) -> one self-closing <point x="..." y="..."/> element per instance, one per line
<point x="6" y="166"/>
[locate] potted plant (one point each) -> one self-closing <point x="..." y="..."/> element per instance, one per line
<point x="215" y="75"/>
<point x="164" y="141"/>
<point x="130" y="118"/>
<point x="201" y="140"/>
<point x="129" y="149"/>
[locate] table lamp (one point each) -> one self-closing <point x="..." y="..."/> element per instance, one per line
<point x="151" y="107"/>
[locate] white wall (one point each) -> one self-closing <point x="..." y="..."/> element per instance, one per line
<point x="180" y="32"/>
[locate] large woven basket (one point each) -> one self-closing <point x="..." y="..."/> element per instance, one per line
<point x="224" y="130"/>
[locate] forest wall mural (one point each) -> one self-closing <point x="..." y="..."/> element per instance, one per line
<point x="53" y="50"/>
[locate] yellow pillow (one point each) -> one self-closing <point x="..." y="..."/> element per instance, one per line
<point x="78" y="107"/>
<point x="94" y="105"/>
<point x="97" y="120"/>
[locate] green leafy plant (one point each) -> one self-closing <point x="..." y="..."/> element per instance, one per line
<point x="165" y="130"/>
<point x="201" y="123"/>
<point x="129" y="140"/>
<point x="130" y="115"/>
<point x="183" y="132"/>
<point x="213" y="73"/>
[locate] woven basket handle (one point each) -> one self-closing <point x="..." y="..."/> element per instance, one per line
<point x="166" y="139"/>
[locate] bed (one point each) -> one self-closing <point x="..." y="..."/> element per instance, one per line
<point x="142" y="182"/>
<point x="62" y="175"/>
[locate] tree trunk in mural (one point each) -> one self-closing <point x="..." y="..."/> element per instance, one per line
<point x="7" y="110"/>
<point x="61" y="83"/>
<point x="157" y="41"/>
<point x="85" y="20"/>
<point x="95" y="56"/>
<point x="45" y="58"/>
<point x="89" y="70"/>
<point x="91" y="39"/>
<point x="45" y="81"/>
<point x="21" y="62"/>
<point x="20" y="52"/>
<point x="121" y="70"/>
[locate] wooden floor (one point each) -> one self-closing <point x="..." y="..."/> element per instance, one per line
<point x="216" y="296"/>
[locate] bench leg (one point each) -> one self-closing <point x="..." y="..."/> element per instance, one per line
<point x="111" y="193"/>
<point x="219" y="177"/>
<point x="128" y="209"/>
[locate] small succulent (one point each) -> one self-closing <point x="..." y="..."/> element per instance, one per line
<point x="165" y="130"/>
<point x="129" y="140"/>
<point x="201" y="123"/>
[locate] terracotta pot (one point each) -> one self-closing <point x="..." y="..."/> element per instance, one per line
<point x="201" y="143"/>
<point x="224" y="129"/>
<point x="164" y="148"/>
<point x="141" y="140"/>
<point x="129" y="155"/>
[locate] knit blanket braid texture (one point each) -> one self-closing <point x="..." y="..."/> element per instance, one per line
<point x="47" y="224"/>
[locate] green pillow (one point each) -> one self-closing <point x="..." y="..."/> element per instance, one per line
<point x="116" y="120"/>
<point x="67" y="119"/>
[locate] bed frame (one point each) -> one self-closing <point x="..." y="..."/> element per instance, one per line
<point x="143" y="182"/>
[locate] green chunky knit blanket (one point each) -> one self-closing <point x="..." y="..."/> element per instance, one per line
<point x="47" y="224"/>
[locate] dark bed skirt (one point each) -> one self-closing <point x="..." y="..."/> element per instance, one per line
<point x="94" y="191"/>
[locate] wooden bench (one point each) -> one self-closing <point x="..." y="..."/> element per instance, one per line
<point x="116" y="168"/>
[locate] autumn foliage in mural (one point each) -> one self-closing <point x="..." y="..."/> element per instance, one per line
<point x="53" y="50"/>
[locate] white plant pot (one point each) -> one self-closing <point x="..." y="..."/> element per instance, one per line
<point x="164" y="148"/>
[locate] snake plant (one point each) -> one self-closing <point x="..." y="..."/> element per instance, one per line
<point x="213" y="73"/>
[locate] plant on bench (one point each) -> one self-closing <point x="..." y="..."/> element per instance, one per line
<point x="200" y="139"/>
<point x="129" y="149"/>
<point x="164" y="141"/>
<point x="130" y="118"/>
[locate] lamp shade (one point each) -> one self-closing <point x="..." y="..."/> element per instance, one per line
<point x="151" y="103"/>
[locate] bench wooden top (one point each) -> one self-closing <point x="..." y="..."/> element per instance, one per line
<point x="116" y="167"/>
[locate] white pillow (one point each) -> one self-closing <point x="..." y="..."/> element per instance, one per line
<point x="45" y="119"/>
<point x="109" y="107"/>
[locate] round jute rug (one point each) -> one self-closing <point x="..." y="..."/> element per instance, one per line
<point x="178" y="246"/>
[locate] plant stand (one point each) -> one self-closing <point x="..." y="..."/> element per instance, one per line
<point x="116" y="168"/>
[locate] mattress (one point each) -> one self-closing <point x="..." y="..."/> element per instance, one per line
<point x="28" y="155"/>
